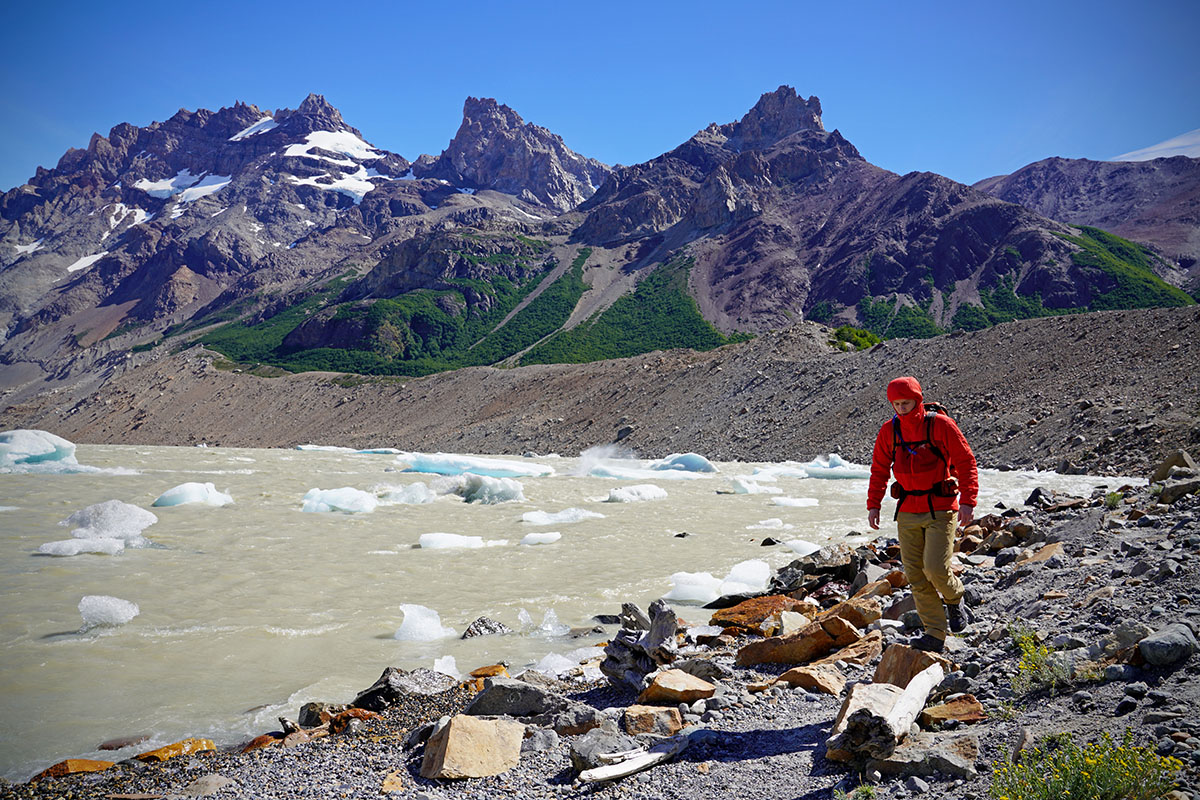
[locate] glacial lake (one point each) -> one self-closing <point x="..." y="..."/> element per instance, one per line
<point x="249" y="610"/>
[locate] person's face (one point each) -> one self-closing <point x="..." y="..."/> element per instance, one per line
<point x="904" y="406"/>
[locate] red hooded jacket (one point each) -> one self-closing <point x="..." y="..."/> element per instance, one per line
<point x="919" y="469"/>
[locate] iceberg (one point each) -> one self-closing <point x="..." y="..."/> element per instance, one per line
<point x="688" y="462"/>
<point x="325" y="448"/>
<point x="449" y="541"/>
<point x="555" y="665"/>
<point x="787" y="469"/>
<point x="447" y="666"/>
<point x="101" y="610"/>
<point x="563" y="517"/>
<point x="347" y="500"/>
<point x="636" y="493"/>
<point x="421" y="624"/>
<point x="73" y="547"/>
<point x="482" y="489"/>
<point x="834" y="466"/>
<point x="452" y="464"/>
<point x="744" y="484"/>
<point x="34" y="447"/>
<point x="193" y="493"/>
<point x="112" y="519"/>
<point x="772" y="524"/>
<point x="747" y="577"/>
<point x="796" y="502"/>
<point x="801" y="547"/>
<point x="413" y="494"/>
<point x="541" y="538"/>
<point x="693" y="588"/>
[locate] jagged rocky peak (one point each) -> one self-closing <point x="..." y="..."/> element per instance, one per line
<point x="314" y="114"/>
<point x="496" y="149"/>
<point x="775" y="116"/>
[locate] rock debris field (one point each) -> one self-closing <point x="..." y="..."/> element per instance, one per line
<point x="807" y="691"/>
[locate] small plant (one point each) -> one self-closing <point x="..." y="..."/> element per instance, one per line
<point x="1037" y="667"/>
<point x="863" y="792"/>
<point x="1098" y="771"/>
<point x="1113" y="499"/>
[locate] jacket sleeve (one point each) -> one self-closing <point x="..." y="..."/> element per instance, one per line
<point x="963" y="461"/>
<point x="881" y="466"/>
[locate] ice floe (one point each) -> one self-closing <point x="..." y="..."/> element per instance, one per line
<point x="193" y="493"/>
<point x="834" y="466"/>
<point x="452" y="464"/>
<point x="421" y="624"/>
<point x="447" y="666"/>
<point x="111" y="519"/>
<point x="541" y="538"/>
<point x="801" y="547"/>
<point x="34" y="447"/>
<point x="567" y="515"/>
<point x="744" y="484"/>
<point x="347" y="500"/>
<point x="772" y="524"/>
<point x="636" y="493"/>
<point x="796" y="502"/>
<point x="100" y="610"/>
<point x="449" y="541"/>
<point x="413" y="494"/>
<point x="688" y="462"/>
<point x="699" y="588"/>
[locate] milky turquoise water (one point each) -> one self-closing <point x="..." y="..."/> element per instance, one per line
<point x="250" y="610"/>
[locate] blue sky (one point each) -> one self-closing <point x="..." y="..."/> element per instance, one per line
<point x="966" y="89"/>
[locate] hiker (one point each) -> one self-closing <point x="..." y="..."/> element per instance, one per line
<point x="935" y="489"/>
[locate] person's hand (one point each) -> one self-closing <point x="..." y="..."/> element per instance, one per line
<point x="873" y="518"/>
<point x="965" y="515"/>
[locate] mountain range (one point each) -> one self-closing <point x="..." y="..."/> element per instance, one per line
<point x="286" y="239"/>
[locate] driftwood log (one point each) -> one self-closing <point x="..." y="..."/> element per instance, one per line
<point x="635" y="652"/>
<point x="876" y="728"/>
<point x="631" y="761"/>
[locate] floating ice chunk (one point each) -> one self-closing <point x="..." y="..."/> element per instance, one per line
<point x="480" y="488"/>
<point x="567" y="515"/>
<point x="73" y="547"/>
<point x="582" y="654"/>
<point x="186" y="493"/>
<point x="524" y="620"/>
<point x="796" y="502"/>
<point x="554" y="664"/>
<point x="551" y="626"/>
<point x="421" y="624"/>
<point x="695" y="588"/>
<point x="453" y="464"/>
<point x="747" y="577"/>
<point x="636" y="493"/>
<point x="697" y="631"/>
<point x="772" y="524"/>
<point x="414" y="494"/>
<point x="346" y="499"/>
<point x="325" y="448"/>
<point x="801" y="547"/>
<point x="788" y="469"/>
<point x="688" y="462"/>
<point x="447" y="666"/>
<point x="541" y="538"/>
<point x="834" y="466"/>
<point x="449" y="541"/>
<point x="744" y="484"/>
<point x="34" y="447"/>
<point x="381" y="451"/>
<point x="98" y="610"/>
<point x="112" y="519"/>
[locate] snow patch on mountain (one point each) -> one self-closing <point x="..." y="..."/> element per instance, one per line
<point x="262" y="126"/>
<point x="342" y="142"/>
<point x="86" y="261"/>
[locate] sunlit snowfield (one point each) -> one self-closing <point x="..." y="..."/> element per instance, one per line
<point x="249" y="610"/>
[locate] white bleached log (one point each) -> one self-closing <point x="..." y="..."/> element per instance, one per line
<point x="876" y="731"/>
<point x="637" y="760"/>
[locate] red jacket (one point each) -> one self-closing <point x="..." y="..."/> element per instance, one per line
<point x="919" y="469"/>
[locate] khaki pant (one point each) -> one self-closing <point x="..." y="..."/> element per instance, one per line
<point x="926" y="544"/>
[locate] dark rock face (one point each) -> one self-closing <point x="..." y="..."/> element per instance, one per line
<point x="1156" y="202"/>
<point x="495" y="149"/>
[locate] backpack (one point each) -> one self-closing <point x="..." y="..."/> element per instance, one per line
<point x="948" y="486"/>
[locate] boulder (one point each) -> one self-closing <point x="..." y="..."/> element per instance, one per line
<point x="490" y="671"/>
<point x="1179" y="458"/>
<point x="792" y="621"/>
<point x="71" y="766"/>
<point x="859" y="612"/>
<point x="577" y="718"/>
<point x="485" y="626"/>
<point x="314" y="714"/>
<point x="587" y="749"/>
<point x="509" y="697"/>
<point x="880" y="588"/>
<point x="929" y="754"/>
<point x="824" y="678"/>
<point x="1045" y="553"/>
<point x="901" y="662"/>
<point x="658" y="720"/>
<point x="1174" y="489"/>
<point x="207" y="784"/>
<point x="674" y="686"/>
<point x="810" y="642"/>
<point x="861" y="652"/>
<point x="395" y="684"/>
<point x="186" y="747"/>
<point x="1169" y="646"/>
<point x="756" y="614"/>
<point x="963" y="709"/>
<point x="470" y="747"/>
<point x="704" y="669"/>
<point x="340" y="723"/>
<point x="870" y="573"/>
<point x="260" y="743"/>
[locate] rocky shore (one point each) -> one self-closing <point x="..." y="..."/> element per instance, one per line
<point x="1085" y="620"/>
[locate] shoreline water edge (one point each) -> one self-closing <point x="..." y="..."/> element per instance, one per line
<point x="1086" y="614"/>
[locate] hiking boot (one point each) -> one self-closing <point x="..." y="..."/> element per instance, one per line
<point x="928" y="643"/>
<point x="959" y="616"/>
